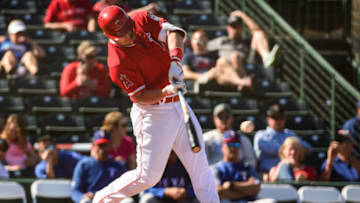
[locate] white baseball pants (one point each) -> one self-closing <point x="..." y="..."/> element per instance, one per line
<point x="158" y="130"/>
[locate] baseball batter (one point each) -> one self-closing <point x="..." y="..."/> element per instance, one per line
<point x="144" y="54"/>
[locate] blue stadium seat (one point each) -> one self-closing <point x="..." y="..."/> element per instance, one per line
<point x="59" y="53"/>
<point x="44" y="36"/>
<point x="33" y="85"/>
<point x="11" y="104"/>
<point x="94" y="105"/>
<point x="48" y="104"/>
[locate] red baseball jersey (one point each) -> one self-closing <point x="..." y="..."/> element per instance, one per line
<point x="144" y="64"/>
<point x="69" y="11"/>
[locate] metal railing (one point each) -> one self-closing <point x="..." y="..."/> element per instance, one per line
<point x="310" y="77"/>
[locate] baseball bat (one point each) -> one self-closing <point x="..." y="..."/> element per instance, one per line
<point x="190" y="129"/>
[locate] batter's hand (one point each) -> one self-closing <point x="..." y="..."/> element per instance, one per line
<point x="176" y="73"/>
<point x="174" y="87"/>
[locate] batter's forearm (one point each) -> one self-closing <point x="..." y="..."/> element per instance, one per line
<point x="175" y="40"/>
<point x="147" y="97"/>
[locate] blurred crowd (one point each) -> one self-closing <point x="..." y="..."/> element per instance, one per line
<point x="240" y="159"/>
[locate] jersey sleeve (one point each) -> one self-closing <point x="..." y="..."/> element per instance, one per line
<point x="51" y="12"/>
<point x="155" y="25"/>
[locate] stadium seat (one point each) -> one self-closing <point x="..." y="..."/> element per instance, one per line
<point x="240" y="106"/>
<point x="11" y="104"/>
<point x="191" y="7"/>
<point x="319" y="194"/>
<point x="280" y="192"/>
<point x="33" y="85"/>
<point x="63" y="127"/>
<point x="53" y="69"/>
<point x="4" y="86"/>
<point x="12" y="191"/>
<point x="33" y="21"/>
<point x="51" y="191"/>
<point x="351" y="193"/>
<point x="306" y="122"/>
<point x="48" y="104"/>
<point x="199" y="104"/>
<point x="56" y="53"/>
<point x="94" y="122"/>
<point x="205" y="21"/>
<point x="44" y="36"/>
<point x="291" y="105"/>
<point x="206" y="121"/>
<point x="76" y="38"/>
<point x="17" y="7"/>
<point x="95" y="104"/>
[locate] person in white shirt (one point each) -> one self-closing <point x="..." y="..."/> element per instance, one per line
<point x="223" y="120"/>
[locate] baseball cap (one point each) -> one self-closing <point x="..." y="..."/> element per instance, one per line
<point x="275" y="111"/>
<point x="85" y="47"/>
<point x="16" y="26"/>
<point x="223" y="107"/>
<point x="100" y="137"/>
<point x="231" y="136"/>
<point x="234" y="21"/>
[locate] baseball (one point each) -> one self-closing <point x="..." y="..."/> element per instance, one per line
<point x="247" y="127"/>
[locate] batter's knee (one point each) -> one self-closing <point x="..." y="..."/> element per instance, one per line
<point x="150" y="179"/>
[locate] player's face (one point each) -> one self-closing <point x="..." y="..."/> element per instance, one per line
<point x="278" y="124"/>
<point x="224" y="121"/>
<point x="127" y="39"/>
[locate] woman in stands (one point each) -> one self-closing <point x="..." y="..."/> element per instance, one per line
<point x="20" y="154"/>
<point x="340" y="165"/>
<point x="290" y="167"/>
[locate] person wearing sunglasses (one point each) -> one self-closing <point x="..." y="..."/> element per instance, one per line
<point x="123" y="148"/>
<point x="4" y="173"/>
<point x="224" y="120"/>
<point x="55" y="163"/>
<point x="236" y="181"/>
<point x="86" y="76"/>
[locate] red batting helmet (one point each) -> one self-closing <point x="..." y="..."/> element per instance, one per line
<point x="114" y="21"/>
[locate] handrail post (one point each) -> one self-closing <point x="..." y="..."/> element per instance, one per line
<point x="332" y="107"/>
<point x="302" y="73"/>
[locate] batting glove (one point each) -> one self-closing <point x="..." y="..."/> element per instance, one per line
<point x="176" y="73"/>
<point x="173" y="88"/>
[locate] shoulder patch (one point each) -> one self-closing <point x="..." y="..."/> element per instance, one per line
<point x="154" y="17"/>
<point x="126" y="82"/>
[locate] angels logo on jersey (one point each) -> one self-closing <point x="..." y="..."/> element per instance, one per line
<point x="126" y="82"/>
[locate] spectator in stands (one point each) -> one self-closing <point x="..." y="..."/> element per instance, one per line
<point x="123" y="148"/>
<point x="268" y="142"/>
<point x="352" y="127"/>
<point x="85" y="77"/>
<point x="174" y="185"/>
<point x="290" y="167"/>
<point x="4" y="174"/>
<point x="238" y="50"/>
<point x="95" y="172"/>
<point x="55" y="164"/>
<point x="340" y="165"/>
<point x="18" y="53"/>
<point x="202" y="65"/>
<point x="70" y="15"/>
<point x="235" y="181"/>
<point x="223" y="120"/>
<point x="98" y="6"/>
<point x="20" y="154"/>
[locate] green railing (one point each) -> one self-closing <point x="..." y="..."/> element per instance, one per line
<point x="311" y="78"/>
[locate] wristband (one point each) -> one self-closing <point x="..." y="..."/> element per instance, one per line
<point x="176" y="54"/>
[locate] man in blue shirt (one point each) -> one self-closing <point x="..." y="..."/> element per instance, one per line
<point x="55" y="164"/>
<point x="173" y="187"/>
<point x="352" y="127"/>
<point x="236" y="181"/>
<point x="268" y="142"/>
<point x="95" y="172"/>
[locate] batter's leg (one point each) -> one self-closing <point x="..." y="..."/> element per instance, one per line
<point x="155" y="128"/>
<point x="196" y="164"/>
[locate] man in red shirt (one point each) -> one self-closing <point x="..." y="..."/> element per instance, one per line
<point x="85" y="77"/>
<point x="144" y="55"/>
<point x="70" y="15"/>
